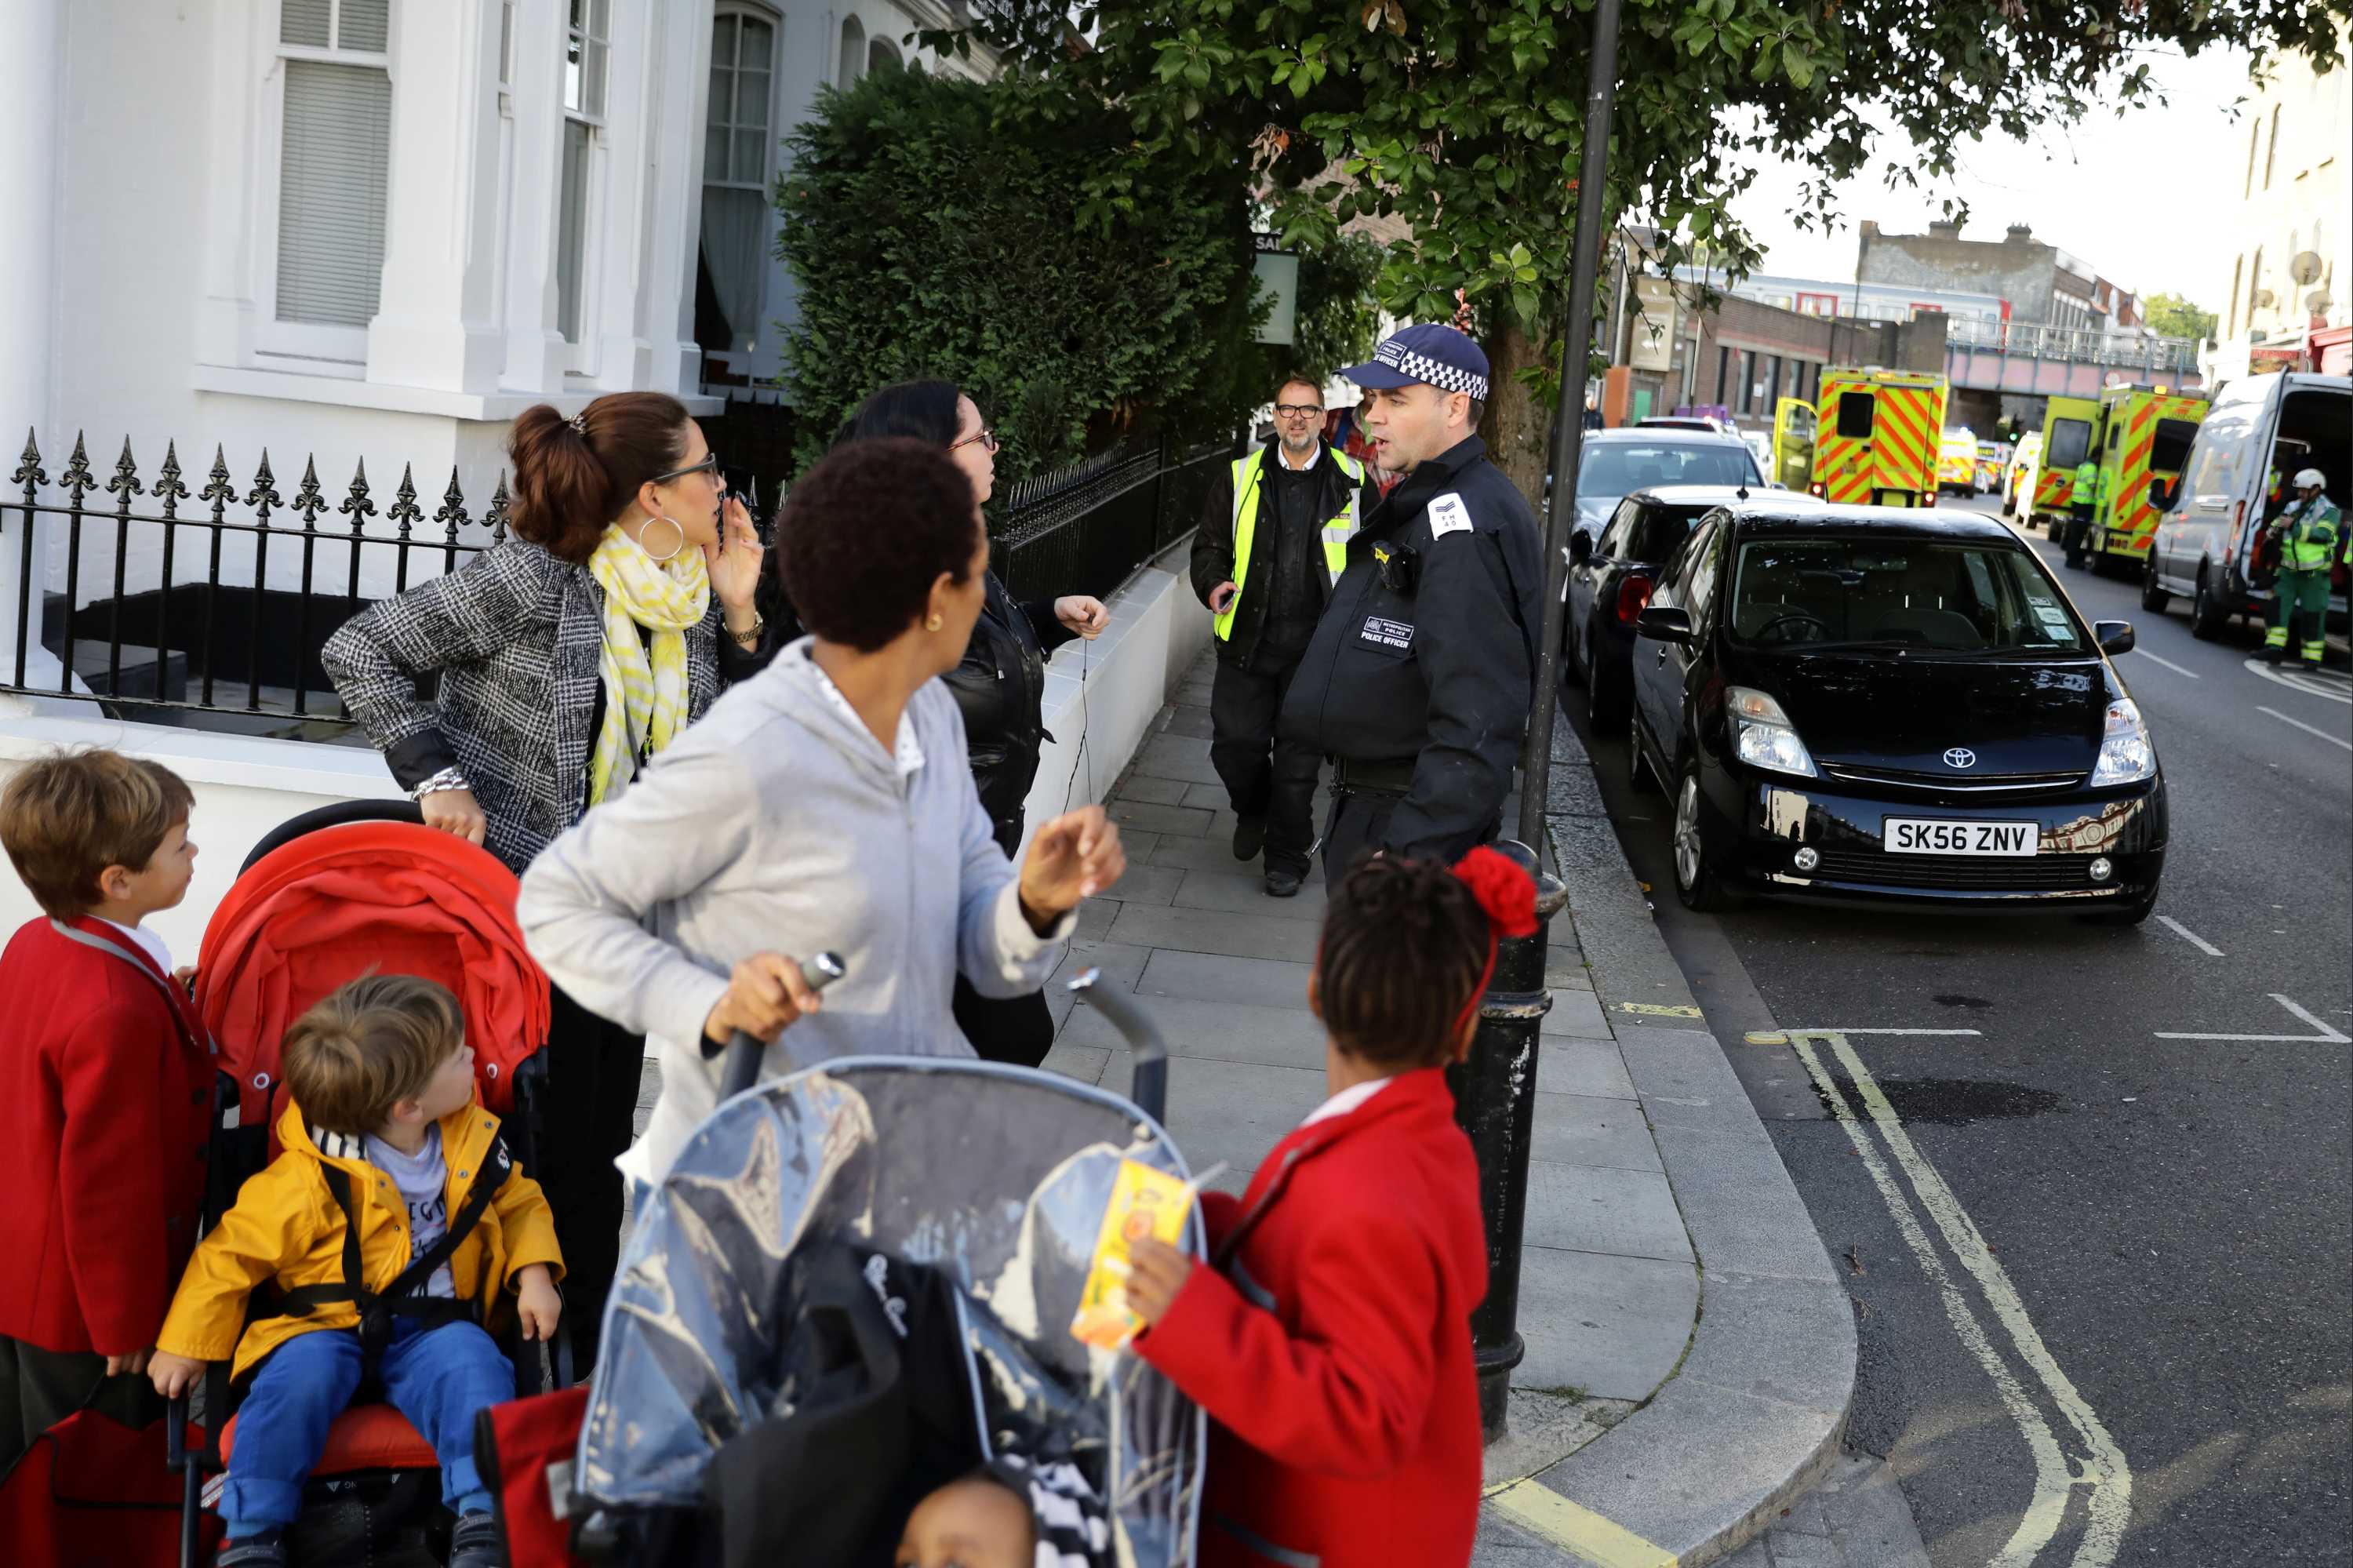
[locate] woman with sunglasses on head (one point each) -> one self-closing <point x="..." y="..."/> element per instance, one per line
<point x="1000" y="685"/>
<point x="568" y="656"/>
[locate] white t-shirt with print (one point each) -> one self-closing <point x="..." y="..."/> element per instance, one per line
<point x="422" y="1178"/>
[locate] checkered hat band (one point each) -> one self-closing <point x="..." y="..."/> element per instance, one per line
<point x="1433" y="372"/>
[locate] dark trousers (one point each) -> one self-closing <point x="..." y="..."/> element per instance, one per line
<point x="1019" y="1029"/>
<point x="1360" y="820"/>
<point x="594" y="1069"/>
<point x="1264" y="776"/>
<point x="1359" y="824"/>
<point x="39" y="1388"/>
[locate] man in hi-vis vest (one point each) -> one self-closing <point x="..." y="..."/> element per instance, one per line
<point x="1273" y="539"/>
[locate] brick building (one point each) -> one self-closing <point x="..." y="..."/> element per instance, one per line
<point x="2044" y="285"/>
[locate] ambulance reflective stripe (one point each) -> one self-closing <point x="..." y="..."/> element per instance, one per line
<point x="1911" y="426"/>
<point x="1248" y="473"/>
<point x="2131" y="508"/>
<point x="2053" y="486"/>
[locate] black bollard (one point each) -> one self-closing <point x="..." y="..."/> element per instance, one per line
<point x="1494" y="1103"/>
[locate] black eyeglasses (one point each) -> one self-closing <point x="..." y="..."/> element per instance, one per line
<point x="710" y="465"/>
<point x="1298" y="410"/>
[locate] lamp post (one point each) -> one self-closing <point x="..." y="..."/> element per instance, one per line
<point x="1494" y="1090"/>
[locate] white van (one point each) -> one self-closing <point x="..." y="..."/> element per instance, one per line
<point x="2208" y="529"/>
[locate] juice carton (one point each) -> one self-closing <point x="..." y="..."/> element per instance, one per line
<point x="1144" y="1203"/>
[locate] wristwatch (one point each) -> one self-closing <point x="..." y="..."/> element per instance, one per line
<point x="752" y="639"/>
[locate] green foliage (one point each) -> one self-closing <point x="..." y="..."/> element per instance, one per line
<point x="1339" y="318"/>
<point x="1466" y="118"/>
<point x="2172" y="315"/>
<point x="935" y="227"/>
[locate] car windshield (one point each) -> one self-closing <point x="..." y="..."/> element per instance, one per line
<point x="1619" y="468"/>
<point x="1948" y="598"/>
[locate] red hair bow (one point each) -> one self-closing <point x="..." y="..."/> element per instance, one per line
<point x="1505" y="891"/>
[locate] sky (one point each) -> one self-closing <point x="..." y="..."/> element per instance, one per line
<point x="2114" y="190"/>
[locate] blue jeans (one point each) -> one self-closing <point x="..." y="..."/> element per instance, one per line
<point x="440" y="1379"/>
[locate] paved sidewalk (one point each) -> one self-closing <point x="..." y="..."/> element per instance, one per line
<point x="1609" y="1284"/>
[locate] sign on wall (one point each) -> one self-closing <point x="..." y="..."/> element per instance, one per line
<point x="1655" y="318"/>
<point x="1277" y="271"/>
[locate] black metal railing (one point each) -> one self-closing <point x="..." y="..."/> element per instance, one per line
<point x="241" y="641"/>
<point x="185" y="642"/>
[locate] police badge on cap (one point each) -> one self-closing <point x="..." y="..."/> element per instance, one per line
<point x="1425" y="355"/>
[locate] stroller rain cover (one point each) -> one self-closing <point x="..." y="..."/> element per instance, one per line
<point x="997" y="1178"/>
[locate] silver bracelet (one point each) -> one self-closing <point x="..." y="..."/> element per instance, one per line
<point x="447" y="779"/>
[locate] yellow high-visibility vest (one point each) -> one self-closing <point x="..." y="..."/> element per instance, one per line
<point x="1336" y="531"/>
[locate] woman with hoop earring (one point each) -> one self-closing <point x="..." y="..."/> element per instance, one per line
<point x="568" y="657"/>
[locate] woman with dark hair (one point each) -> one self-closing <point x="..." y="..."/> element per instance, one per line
<point x="999" y="685"/>
<point x="825" y="805"/>
<point x="568" y="656"/>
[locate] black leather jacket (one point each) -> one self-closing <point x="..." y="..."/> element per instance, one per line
<point x="1001" y="689"/>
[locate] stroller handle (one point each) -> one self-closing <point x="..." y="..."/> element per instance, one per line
<point x="1148" y="1081"/>
<point x="743" y="1051"/>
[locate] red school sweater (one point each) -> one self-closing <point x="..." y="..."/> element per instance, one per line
<point x="106" y="1086"/>
<point x="1333" y="1353"/>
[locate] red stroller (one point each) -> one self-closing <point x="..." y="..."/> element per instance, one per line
<point x="327" y="897"/>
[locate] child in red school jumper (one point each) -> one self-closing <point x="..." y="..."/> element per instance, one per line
<point x="1330" y="1341"/>
<point x="105" y="1089"/>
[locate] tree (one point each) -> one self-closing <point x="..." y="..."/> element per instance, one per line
<point x="2172" y="315"/>
<point x="935" y="234"/>
<point x="1466" y="118"/>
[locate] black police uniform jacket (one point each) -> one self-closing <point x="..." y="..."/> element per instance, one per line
<point x="1429" y="659"/>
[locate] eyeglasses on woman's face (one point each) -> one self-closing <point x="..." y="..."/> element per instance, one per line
<point x="710" y="465"/>
<point x="984" y="436"/>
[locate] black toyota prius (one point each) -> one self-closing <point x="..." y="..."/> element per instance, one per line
<point x="1870" y="705"/>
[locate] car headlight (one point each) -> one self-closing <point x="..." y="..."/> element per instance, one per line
<point x="1762" y="735"/>
<point x="2126" y="754"/>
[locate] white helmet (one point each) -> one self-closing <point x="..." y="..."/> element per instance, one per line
<point x="2312" y="479"/>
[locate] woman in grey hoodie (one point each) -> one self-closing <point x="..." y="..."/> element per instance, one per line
<point x="825" y="804"/>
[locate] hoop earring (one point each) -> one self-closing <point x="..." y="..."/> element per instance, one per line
<point x="933" y="624"/>
<point x="674" y="549"/>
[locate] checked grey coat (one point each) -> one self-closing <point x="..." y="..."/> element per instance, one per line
<point x="515" y="635"/>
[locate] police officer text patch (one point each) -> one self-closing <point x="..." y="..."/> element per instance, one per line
<point x="1448" y="515"/>
<point x="1382" y="632"/>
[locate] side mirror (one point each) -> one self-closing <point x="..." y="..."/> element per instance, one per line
<point x="2113" y="636"/>
<point x="1580" y="547"/>
<point x="1666" y="624"/>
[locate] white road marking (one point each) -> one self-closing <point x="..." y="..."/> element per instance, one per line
<point x="2104" y="1472"/>
<point x="2333" y="740"/>
<point x="2328" y="1035"/>
<point x="2322" y="685"/>
<point x="1796" y="1032"/>
<point x="2168" y="664"/>
<point x="2192" y="937"/>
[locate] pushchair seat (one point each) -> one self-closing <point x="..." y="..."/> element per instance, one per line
<point x="363" y="1437"/>
<point x="996" y="1176"/>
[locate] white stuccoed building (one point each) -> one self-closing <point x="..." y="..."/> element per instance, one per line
<point x="376" y="230"/>
<point x="373" y="231"/>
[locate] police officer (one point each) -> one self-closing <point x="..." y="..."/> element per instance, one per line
<point x="1419" y="679"/>
<point x="1274" y="537"/>
<point x="2308" y="532"/>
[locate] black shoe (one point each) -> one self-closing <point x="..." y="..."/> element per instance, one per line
<point x="1249" y="837"/>
<point x="476" y="1543"/>
<point x="2273" y="656"/>
<point x="1282" y="884"/>
<point x="265" y="1550"/>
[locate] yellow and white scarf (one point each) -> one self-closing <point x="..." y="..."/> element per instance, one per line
<point x="644" y="700"/>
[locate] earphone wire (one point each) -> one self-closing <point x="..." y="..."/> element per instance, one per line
<point x="1085" y="756"/>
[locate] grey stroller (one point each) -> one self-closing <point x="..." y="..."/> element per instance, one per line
<point x="964" y="1198"/>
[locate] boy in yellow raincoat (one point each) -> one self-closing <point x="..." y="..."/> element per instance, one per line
<point x="395" y="1224"/>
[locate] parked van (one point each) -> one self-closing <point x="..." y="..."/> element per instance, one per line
<point x="2213" y="524"/>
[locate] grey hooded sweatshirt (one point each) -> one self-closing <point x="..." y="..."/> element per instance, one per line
<point x="778" y="824"/>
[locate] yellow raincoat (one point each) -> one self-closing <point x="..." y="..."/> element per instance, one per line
<point x="287" y="1228"/>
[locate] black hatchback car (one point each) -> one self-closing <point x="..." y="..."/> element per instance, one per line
<point x="1610" y="579"/>
<point x="1865" y="704"/>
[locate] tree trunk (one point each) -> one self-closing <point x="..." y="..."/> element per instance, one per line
<point x="1518" y="427"/>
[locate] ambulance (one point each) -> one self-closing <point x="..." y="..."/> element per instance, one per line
<point x="1957" y="462"/>
<point x="1793" y="443"/>
<point x="2145" y="434"/>
<point x="2067" y="426"/>
<point x="1878" y="436"/>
